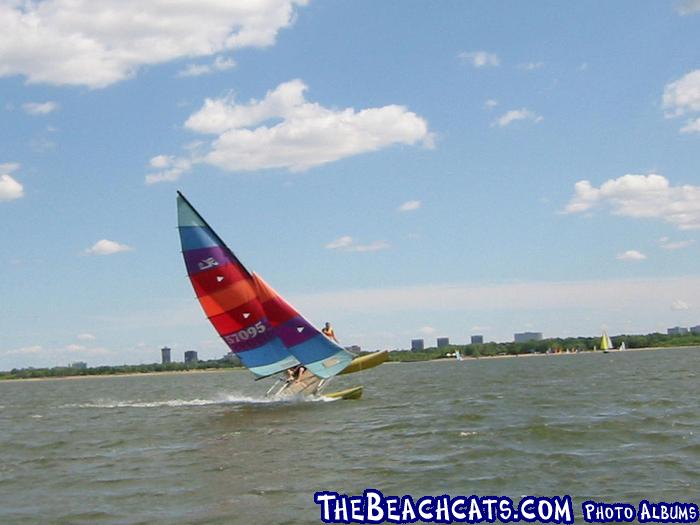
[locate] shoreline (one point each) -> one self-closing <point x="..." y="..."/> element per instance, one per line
<point x="585" y="352"/>
<point x="439" y="360"/>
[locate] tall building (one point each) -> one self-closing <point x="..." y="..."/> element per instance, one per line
<point x="477" y="339"/>
<point x="190" y="356"/>
<point x="695" y="329"/>
<point x="417" y="345"/>
<point x="677" y="330"/>
<point x="524" y="337"/>
<point x="443" y="342"/>
<point x="165" y="355"/>
<point x="80" y="365"/>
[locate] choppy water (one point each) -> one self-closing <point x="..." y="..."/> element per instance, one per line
<point x="208" y="448"/>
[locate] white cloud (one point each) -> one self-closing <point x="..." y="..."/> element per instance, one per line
<point x="220" y="64"/>
<point x="283" y="130"/>
<point x="95" y="44"/>
<point x="491" y="103"/>
<point x="40" y="108"/>
<point x="641" y="196"/>
<point x="348" y="244"/>
<point x="85" y="337"/>
<point x="107" y="247"/>
<point x="25" y="350"/>
<point x="692" y="126"/>
<point x="410" y="206"/>
<point x="682" y="97"/>
<point x="526" y="296"/>
<point x="688" y="7"/>
<point x="480" y="58"/>
<point x="427" y="330"/>
<point x="517" y="114"/>
<point x="667" y="244"/>
<point x="340" y="242"/>
<point x="172" y="168"/>
<point x="631" y="255"/>
<point x="679" y="305"/>
<point x="10" y="189"/>
<point x="531" y="66"/>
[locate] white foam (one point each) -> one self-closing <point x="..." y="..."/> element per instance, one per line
<point x="224" y="399"/>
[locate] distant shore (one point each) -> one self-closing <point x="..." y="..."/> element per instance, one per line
<point x="438" y="360"/>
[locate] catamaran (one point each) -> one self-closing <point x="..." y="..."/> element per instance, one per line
<point x="267" y="334"/>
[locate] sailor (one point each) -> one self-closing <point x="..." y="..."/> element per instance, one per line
<point x="328" y="332"/>
<point x="295" y="373"/>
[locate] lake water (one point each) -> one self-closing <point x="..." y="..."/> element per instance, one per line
<point x="208" y="448"/>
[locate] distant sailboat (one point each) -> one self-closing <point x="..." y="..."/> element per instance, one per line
<point x="622" y="346"/>
<point x="458" y="355"/>
<point x="606" y="343"/>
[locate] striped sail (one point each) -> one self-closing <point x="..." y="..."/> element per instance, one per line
<point x="321" y="356"/>
<point x="227" y="293"/>
<point x="257" y="324"/>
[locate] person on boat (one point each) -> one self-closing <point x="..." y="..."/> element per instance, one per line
<point x="295" y="373"/>
<point x="329" y="333"/>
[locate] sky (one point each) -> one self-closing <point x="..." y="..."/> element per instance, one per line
<point x="401" y="169"/>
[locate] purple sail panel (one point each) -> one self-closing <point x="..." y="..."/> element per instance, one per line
<point x="205" y="259"/>
<point x="251" y="337"/>
<point x="295" y="331"/>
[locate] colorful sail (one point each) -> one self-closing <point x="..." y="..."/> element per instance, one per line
<point x="227" y="292"/>
<point x="321" y="356"/>
<point x="606" y="342"/>
<point x="257" y="324"/>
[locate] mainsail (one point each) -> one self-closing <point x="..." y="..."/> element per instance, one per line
<point x="606" y="342"/>
<point x="260" y="327"/>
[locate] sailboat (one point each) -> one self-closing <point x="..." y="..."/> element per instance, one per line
<point x="267" y="334"/>
<point x="606" y="343"/>
<point x="622" y="346"/>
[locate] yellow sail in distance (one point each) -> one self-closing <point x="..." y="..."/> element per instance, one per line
<point x="605" y="342"/>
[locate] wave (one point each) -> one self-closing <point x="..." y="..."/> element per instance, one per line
<point x="224" y="399"/>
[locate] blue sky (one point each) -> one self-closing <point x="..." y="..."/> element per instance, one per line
<point x="402" y="169"/>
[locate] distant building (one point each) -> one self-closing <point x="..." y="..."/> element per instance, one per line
<point x="190" y="356"/>
<point x="355" y="349"/>
<point x="524" y="337"/>
<point x="443" y="342"/>
<point x="477" y="339"/>
<point x="417" y="345"/>
<point x="695" y="329"/>
<point x="165" y="355"/>
<point x="231" y="357"/>
<point x="677" y="330"/>
<point x="80" y="365"/>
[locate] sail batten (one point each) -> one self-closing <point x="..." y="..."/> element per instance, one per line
<point x="257" y="324"/>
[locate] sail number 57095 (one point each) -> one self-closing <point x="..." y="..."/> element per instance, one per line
<point x="247" y="333"/>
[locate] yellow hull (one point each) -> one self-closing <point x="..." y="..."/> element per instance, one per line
<point x="350" y="393"/>
<point x="365" y="362"/>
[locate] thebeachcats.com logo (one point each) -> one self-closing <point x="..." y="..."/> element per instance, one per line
<point x="374" y="507"/>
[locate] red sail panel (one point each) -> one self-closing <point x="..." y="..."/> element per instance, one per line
<point x="216" y="279"/>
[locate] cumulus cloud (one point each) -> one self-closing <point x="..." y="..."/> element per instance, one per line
<point x="427" y="330"/>
<point x="171" y="168"/>
<point x="348" y="244"/>
<point x="480" y="58"/>
<point x="491" y="103"/>
<point x="25" y="350"/>
<point x="517" y="114"/>
<point x="681" y="98"/>
<point x="631" y="255"/>
<point x="688" y="7"/>
<point x="85" y="337"/>
<point x="95" y="44"/>
<point x="220" y="64"/>
<point x="410" y="206"/>
<point x="10" y="189"/>
<point x="641" y="196"/>
<point x="40" y="108"/>
<point x="107" y="247"/>
<point x="284" y="130"/>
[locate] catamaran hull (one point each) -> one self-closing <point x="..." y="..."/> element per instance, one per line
<point x="365" y="362"/>
<point x="350" y="393"/>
